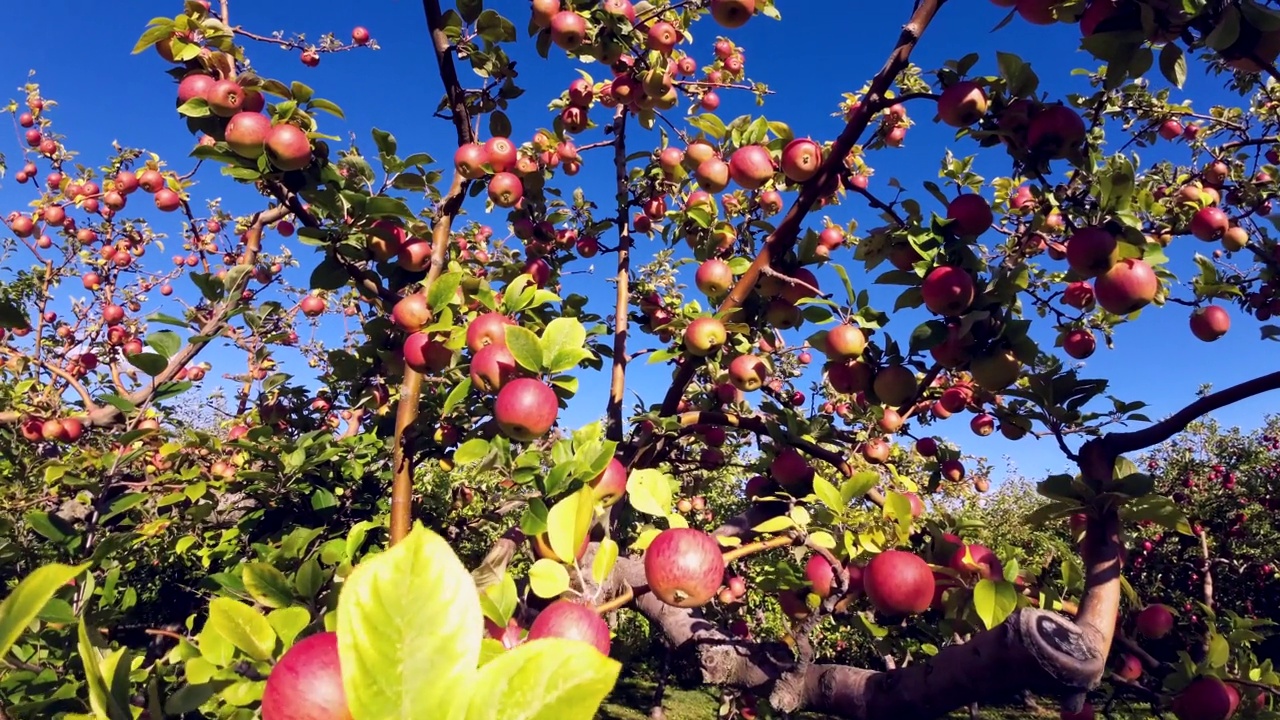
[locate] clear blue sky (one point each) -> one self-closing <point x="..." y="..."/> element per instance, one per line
<point x="821" y="49"/>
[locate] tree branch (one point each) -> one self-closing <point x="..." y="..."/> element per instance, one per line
<point x="784" y="236"/>
<point x="618" y="382"/>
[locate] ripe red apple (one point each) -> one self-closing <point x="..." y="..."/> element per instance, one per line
<point x="962" y="104"/>
<point x="712" y="175"/>
<point x="801" y="159"/>
<point x="748" y="372"/>
<point x="970" y="215"/>
<point x="898" y="583"/>
<point x="820" y="575"/>
<point x="411" y="313"/>
<point x="1209" y="223"/>
<point x="1210" y="322"/>
<point x="525" y="409"/>
<point x="167" y="200"/>
<point x="1170" y="129"/>
<point x="492" y="367"/>
<point x="360" y="35"/>
<point x="751" y="166"/>
<point x="714" y="278"/>
<point x="543" y="11"/>
<point x="982" y="424"/>
<point x="704" y="336"/>
<point x="877" y="450"/>
<point x="1127" y="287"/>
<point x="426" y="354"/>
<point x="1155" y="621"/>
<point x="288" y="147"/>
<point x="845" y="341"/>
<point x="505" y="189"/>
<point x="1092" y="251"/>
<point x="501" y="154"/>
<point x="927" y="447"/>
<point x="470" y="159"/>
<point x="1206" y="698"/>
<point x="791" y="470"/>
<point x="246" y="134"/>
<point x="488" y="329"/>
<point x="979" y="560"/>
<point x="662" y="37"/>
<point x="568" y="30"/>
<point x="195" y="85"/>
<point x="311" y="305"/>
<point x="948" y="290"/>
<point x="611" y="484"/>
<point x="1078" y="295"/>
<point x="306" y="683"/>
<point x="951" y="470"/>
<point x="571" y="621"/>
<point x="732" y="13"/>
<point x="1079" y="343"/>
<point x="684" y="567"/>
<point x="149" y="180"/>
<point x="895" y="385"/>
<point x="1056" y="130"/>
<point x="1130" y="667"/>
<point x="225" y="98"/>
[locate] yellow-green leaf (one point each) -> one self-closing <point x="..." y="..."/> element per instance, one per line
<point x="267" y="585"/>
<point x="773" y="525"/>
<point x="568" y="522"/>
<point x="994" y="601"/>
<point x="649" y="492"/>
<point x="26" y="601"/>
<point x="548" y="578"/>
<point x="409" y="629"/>
<point x="243" y="627"/>
<point x="547" y="679"/>
<point x="606" y="556"/>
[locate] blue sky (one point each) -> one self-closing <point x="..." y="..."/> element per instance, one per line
<point x="820" y="50"/>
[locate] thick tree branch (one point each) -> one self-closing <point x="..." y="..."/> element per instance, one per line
<point x="618" y="382"/>
<point x="828" y="176"/>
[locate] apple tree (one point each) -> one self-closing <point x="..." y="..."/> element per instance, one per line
<point x="305" y="555"/>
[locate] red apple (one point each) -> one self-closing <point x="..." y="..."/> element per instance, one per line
<point x="246" y="134"/>
<point x="611" y="484"/>
<point x="306" y="683"/>
<point x="1127" y="287"/>
<point x="1155" y="621"/>
<point x="845" y="341"/>
<point x="791" y="470"/>
<point x="488" y="329"/>
<point x="1079" y="343"/>
<point x="714" y="278"/>
<point x="732" y="13"/>
<point x="470" y="159"/>
<point x="899" y="583"/>
<point x="684" y="567"/>
<point x="288" y="147"/>
<point x="748" y="372"/>
<point x="970" y="215"/>
<point x="1056" y="130"/>
<point x="1210" y="322"/>
<point x="225" y="98"/>
<point x="820" y="575"/>
<point x="492" y="367"/>
<point x="948" y="290"/>
<point x="801" y="159"/>
<point x="1092" y="251"/>
<point x="1206" y="698"/>
<point x="962" y="104"/>
<point x="426" y="354"/>
<point x="704" y="336"/>
<point x="568" y="30"/>
<point x="1209" y="223"/>
<point x="525" y="409"/>
<point x="571" y="621"/>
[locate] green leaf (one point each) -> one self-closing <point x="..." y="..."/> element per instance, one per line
<point x="525" y="347"/>
<point x="26" y="601"/>
<point x="473" y="450"/>
<point x="288" y="622"/>
<point x="547" y="679"/>
<point x="994" y="601"/>
<point x="12" y="317"/>
<point x="267" y="585"/>
<point x="1158" y="509"/>
<point x="329" y="107"/>
<point x="149" y="363"/>
<point x="470" y="10"/>
<point x="562" y="344"/>
<point x="1219" y="651"/>
<point x="243" y="627"/>
<point x="308" y="579"/>
<point x="649" y="492"/>
<point x="858" y="485"/>
<point x="385" y="141"/>
<point x="119" y="403"/>
<point x="773" y="525"/>
<point x="104" y="703"/>
<point x="828" y="493"/>
<point x="165" y="342"/>
<point x="1173" y="64"/>
<point x="548" y="578"/>
<point x="409" y="629"/>
<point x="443" y="290"/>
<point x="568" y="522"/>
<point x="329" y="274"/>
<point x="606" y="557"/>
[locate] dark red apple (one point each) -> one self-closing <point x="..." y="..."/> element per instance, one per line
<point x="820" y="575"/>
<point x="1055" y="131"/>
<point x="970" y="215"/>
<point x="1206" y="698"/>
<point x="895" y="385"/>
<point x="1155" y="621"/>
<point x="426" y="354"/>
<point x="1209" y="223"/>
<point x="948" y="290"/>
<point x="1079" y="343"/>
<point x="791" y="470"/>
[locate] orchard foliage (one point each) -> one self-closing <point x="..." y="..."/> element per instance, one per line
<point x="269" y="563"/>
